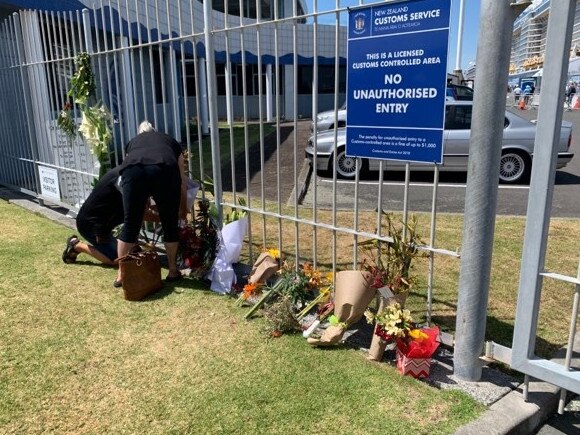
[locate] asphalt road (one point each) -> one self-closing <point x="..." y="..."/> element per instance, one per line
<point x="512" y="200"/>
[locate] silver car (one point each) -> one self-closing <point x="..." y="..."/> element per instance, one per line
<point x="326" y="120"/>
<point x="516" y="159"/>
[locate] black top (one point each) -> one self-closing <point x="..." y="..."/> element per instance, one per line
<point x="103" y="209"/>
<point x="152" y="148"/>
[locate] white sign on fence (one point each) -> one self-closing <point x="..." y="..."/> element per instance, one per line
<point x="49" y="185"/>
<point x="71" y="154"/>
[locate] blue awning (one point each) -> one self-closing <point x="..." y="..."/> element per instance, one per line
<point x="108" y="19"/>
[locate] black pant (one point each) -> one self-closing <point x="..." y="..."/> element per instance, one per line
<point x="163" y="183"/>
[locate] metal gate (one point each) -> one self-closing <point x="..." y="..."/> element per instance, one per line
<point x="262" y="68"/>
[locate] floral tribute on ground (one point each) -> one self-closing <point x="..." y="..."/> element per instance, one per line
<point x="415" y="346"/>
<point x="198" y="242"/>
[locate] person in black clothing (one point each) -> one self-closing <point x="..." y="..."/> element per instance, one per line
<point x="100" y="213"/>
<point x="153" y="166"/>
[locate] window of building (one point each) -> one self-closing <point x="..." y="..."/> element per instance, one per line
<point x="326" y="74"/>
<point x="190" y="90"/>
<point x="249" y="8"/>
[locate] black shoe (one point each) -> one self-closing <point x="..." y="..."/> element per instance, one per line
<point x="69" y="255"/>
<point x="117" y="284"/>
<point x="174" y="278"/>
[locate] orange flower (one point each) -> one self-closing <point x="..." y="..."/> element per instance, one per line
<point x="249" y="290"/>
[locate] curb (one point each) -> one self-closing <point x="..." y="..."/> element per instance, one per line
<point x="30" y="203"/>
<point x="303" y="183"/>
<point x="512" y="415"/>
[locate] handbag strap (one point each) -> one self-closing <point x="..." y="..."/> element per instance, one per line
<point x="137" y="256"/>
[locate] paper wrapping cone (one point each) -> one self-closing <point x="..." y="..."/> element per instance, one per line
<point x="264" y="267"/>
<point x="378" y="344"/>
<point x="331" y="336"/>
<point x="352" y="295"/>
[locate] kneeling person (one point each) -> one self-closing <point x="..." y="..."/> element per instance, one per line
<point x="98" y="216"/>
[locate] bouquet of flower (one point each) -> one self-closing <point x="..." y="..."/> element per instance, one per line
<point x="198" y="241"/>
<point x="301" y="284"/>
<point x="395" y="324"/>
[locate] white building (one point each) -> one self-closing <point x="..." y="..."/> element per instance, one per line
<point x="151" y="57"/>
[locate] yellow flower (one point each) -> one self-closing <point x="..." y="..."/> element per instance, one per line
<point x="274" y="253"/>
<point x="417" y="335"/>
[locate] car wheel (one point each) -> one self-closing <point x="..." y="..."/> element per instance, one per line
<point x="347" y="167"/>
<point x="341" y="124"/>
<point x="514" y="167"/>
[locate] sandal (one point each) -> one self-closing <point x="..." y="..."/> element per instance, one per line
<point x="173" y="278"/>
<point x="69" y="255"/>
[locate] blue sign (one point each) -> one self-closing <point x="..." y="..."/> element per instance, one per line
<point x="396" y="82"/>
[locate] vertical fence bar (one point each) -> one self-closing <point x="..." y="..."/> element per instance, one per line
<point x="132" y="60"/>
<point x="184" y="85"/>
<point x="229" y="102"/>
<point x="246" y="137"/>
<point x="406" y="200"/>
<point x="173" y="73"/>
<point x="116" y="118"/>
<point x="314" y="179"/>
<point x="278" y="115"/>
<point x="431" y="266"/>
<point x="197" y="99"/>
<point x="120" y="116"/>
<point x="260" y="123"/>
<point x="124" y="53"/>
<point x="151" y="68"/>
<point x="141" y="61"/>
<point x="161" y="68"/>
<point x="212" y="96"/>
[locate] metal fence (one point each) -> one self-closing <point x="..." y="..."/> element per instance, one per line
<point x="184" y="66"/>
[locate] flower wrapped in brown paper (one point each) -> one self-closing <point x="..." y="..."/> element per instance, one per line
<point x="352" y="296"/>
<point x="263" y="269"/>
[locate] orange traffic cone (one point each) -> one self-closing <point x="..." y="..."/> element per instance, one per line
<point x="575" y="103"/>
<point x="522" y="104"/>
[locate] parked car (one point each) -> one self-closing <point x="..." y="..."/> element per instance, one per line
<point x="326" y="120"/>
<point x="516" y="159"/>
<point x="458" y="93"/>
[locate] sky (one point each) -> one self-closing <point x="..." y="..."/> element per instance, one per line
<point x="470" y="26"/>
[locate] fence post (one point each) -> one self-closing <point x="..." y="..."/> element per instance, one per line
<point x="212" y="103"/>
<point x="493" y="56"/>
<point x="560" y="26"/>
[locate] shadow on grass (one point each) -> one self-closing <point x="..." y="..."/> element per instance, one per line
<point x="501" y="333"/>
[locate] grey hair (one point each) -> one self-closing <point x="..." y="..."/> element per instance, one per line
<point x="144" y="127"/>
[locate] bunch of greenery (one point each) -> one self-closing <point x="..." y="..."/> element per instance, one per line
<point x="299" y="284"/>
<point x="390" y="262"/>
<point x="96" y="121"/>
<point x="82" y="83"/>
<point x="279" y="318"/>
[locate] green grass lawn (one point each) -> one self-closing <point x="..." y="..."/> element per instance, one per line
<point x="77" y="358"/>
